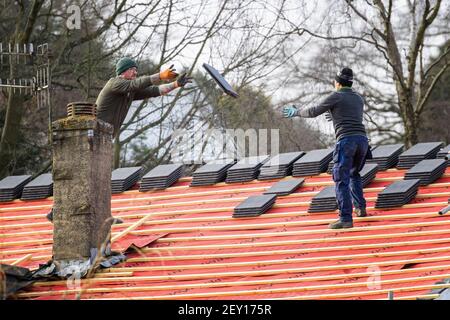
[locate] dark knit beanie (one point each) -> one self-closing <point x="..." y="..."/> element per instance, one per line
<point x="124" y="64"/>
<point x="345" y="77"/>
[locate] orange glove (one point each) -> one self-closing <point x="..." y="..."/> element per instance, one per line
<point x="168" y="74"/>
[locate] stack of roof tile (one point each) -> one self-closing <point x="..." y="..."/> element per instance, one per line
<point x="161" y="177"/>
<point x="313" y="163"/>
<point x="39" y="188"/>
<point x="212" y="172"/>
<point x="324" y="201"/>
<point x="368" y="173"/>
<point x="254" y="206"/>
<point x="427" y="171"/>
<point x="444" y="153"/>
<point x="279" y="166"/>
<point x="246" y="169"/>
<point x="11" y="187"/>
<point x="386" y="156"/>
<point x="285" y="187"/>
<point x="417" y="153"/>
<point x="397" y="194"/>
<point x="124" y="178"/>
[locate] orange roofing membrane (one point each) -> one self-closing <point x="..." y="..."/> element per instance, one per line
<point x="198" y="251"/>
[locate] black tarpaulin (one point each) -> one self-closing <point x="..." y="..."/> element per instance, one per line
<point x="13" y="279"/>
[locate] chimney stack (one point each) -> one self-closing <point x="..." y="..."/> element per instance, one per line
<point x="82" y="153"/>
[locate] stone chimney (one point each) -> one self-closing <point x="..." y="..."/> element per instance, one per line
<point x="82" y="153"/>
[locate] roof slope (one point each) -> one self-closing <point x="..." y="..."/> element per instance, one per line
<point x="197" y="250"/>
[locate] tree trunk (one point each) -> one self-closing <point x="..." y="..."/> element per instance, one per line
<point x="409" y="118"/>
<point x="411" y="137"/>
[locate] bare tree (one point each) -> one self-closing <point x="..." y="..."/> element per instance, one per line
<point x="241" y="40"/>
<point x="434" y="124"/>
<point x="392" y="43"/>
<point x="81" y="57"/>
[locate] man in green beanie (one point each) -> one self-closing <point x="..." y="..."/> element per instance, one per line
<point x="119" y="92"/>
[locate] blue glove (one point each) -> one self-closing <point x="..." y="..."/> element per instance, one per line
<point x="289" y="112"/>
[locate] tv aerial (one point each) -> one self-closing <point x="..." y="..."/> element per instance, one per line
<point x="29" y="72"/>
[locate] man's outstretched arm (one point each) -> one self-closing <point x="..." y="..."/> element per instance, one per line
<point x="312" y="112"/>
<point x="122" y="86"/>
<point x="156" y="91"/>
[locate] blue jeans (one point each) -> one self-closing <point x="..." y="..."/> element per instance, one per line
<point x="349" y="158"/>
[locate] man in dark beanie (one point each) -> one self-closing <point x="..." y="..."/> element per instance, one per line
<point x="119" y="92"/>
<point x="346" y="109"/>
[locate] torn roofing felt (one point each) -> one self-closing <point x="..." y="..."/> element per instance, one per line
<point x="13" y="279"/>
<point x="444" y="295"/>
<point x="19" y="278"/>
<point x="442" y="290"/>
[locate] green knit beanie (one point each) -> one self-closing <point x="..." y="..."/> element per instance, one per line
<point x="124" y="64"/>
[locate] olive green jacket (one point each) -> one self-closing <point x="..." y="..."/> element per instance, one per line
<point x="117" y="95"/>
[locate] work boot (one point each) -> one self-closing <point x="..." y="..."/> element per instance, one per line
<point x="50" y="216"/>
<point x="360" y="212"/>
<point x="341" y="225"/>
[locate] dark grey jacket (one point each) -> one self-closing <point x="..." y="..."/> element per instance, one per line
<point x="117" y="95"/>
<point x="346" y="108"/>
